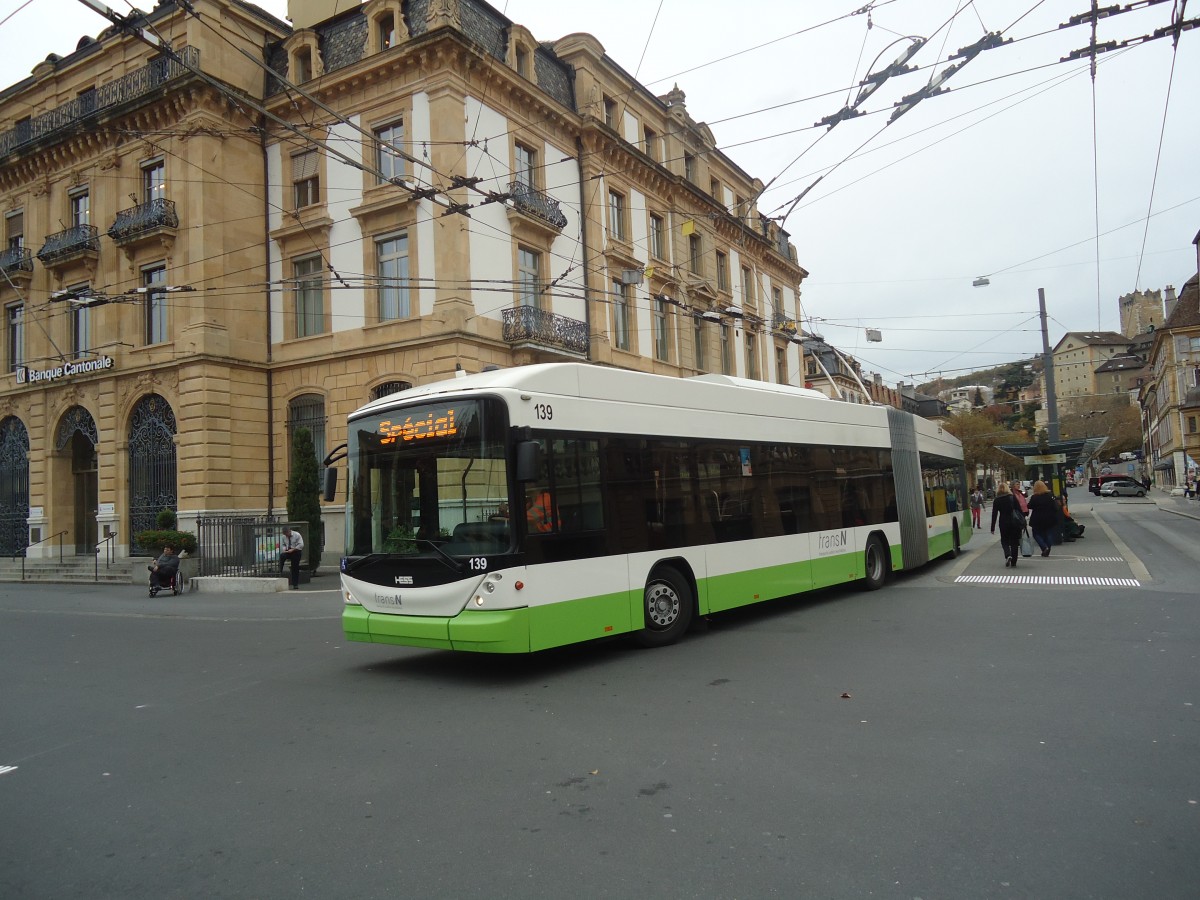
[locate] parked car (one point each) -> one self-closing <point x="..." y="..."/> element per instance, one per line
<point x="1095" y="483"/>
<point x="1122" y="487"/>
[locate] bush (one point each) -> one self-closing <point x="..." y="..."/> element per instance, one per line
<point x="166" y="520"/>
<point x="153" y="541"/>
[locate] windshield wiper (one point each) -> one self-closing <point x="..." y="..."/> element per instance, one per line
<point x="453" y="563"/>
<point x="352" y="564"/>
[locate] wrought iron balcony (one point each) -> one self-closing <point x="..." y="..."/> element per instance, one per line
<point x="68" y="244"/>
<point x="528" y="324"/>
<point x="533" y="202"/>
<point x="16" y="259"/>
<point x="142" y="82"/>
<point x="145" y="218"/>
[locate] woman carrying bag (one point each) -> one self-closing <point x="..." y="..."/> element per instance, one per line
<point x="1007" y="514"/>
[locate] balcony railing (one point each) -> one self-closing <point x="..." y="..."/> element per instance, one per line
<point x="547" y="329"/>
<point x="16" y="259"/>
<point x="71" y="242"/>
<point x="142" y="219"/>
<point x="533" y="202"/>
<point x="139" y="83"/>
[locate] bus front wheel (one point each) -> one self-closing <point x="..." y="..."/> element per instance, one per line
<point x="667" y="606"/>
<point x="874" y="564"/>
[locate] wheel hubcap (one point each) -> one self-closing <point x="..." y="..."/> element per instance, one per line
<point x="662" y="605"/>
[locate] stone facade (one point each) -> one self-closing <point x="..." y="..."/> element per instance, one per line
<point x="415" y="188"/>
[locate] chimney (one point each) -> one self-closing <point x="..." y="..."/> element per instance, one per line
<point x="1169" y="301"/>
<point x="307" y="13"/>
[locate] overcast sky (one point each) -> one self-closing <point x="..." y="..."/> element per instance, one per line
<point x="1000" y="176"/>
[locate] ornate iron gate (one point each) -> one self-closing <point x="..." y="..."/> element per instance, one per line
<point x="152" y="473"/>
<point x="14" y="486"/>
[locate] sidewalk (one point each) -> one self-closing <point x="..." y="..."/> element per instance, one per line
<point x="1180" y="506"/>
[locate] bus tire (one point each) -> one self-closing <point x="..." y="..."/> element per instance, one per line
<point x="875" y="566"/>
<point x="956" y="548"/>
<point x="667" y="607"/>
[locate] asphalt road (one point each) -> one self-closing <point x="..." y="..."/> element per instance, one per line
<point x="939" y="738"/>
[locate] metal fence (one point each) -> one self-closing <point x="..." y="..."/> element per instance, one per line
<point x="246" y="546"/>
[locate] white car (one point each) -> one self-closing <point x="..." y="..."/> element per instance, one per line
<point x="1122" y="487"/>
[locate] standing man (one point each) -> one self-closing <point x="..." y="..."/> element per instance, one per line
<point x="293" y="549"/>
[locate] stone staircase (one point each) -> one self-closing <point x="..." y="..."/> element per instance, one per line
<point x="71" y="570"/>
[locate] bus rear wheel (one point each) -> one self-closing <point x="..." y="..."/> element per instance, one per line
<point x="667" y="606"/>
<point x="875" y="566"/>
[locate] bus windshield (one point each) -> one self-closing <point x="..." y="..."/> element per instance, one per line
<point x="429" y="479"/>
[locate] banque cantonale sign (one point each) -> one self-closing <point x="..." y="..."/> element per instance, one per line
<point x="26" y="375"/>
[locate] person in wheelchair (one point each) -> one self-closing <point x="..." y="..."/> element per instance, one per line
<point x="164" y="571"/>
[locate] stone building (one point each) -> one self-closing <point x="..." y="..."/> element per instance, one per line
<point x="123" y="175"/>
<point x="205" y="254"/>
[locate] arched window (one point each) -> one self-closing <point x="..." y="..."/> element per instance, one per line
<point x="389" y="387"/>
<point x="307" y="411"/>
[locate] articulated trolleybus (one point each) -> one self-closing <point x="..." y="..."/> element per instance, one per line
<point x="541" y="505"/>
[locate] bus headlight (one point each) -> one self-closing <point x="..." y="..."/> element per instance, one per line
<point x="478" y="600"/>
<point x="349" y="598"/>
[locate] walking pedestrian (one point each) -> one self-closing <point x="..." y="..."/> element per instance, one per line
<point x="1007" y="514"/>
<point x="1043" y="516"/>
<point x="976" y="506"/>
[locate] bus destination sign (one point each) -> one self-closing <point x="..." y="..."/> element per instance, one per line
<point x="437" y="424"/>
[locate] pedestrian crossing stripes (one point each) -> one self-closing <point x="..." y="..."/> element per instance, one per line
<point x="1061" y="580"/>
<point x="1099" y="559"/>
<point x="4" y="770"/>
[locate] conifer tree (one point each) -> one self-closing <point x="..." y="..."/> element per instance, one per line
<point x="303" y="493"/>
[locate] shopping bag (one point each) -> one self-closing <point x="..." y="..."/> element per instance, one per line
<point x="1026" y="544"/>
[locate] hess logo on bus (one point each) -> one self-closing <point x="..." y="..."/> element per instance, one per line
<point x="433" y="425"/>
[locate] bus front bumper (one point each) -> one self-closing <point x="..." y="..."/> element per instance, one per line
<point x="499" y="631"/>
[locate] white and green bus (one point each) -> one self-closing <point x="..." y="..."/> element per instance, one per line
<point x="536" y="506"/>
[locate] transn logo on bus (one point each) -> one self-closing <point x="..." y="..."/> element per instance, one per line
<point x="832" y="542"/>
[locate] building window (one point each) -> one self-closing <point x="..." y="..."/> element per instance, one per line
<point x="726" y="350"/>
<point x="154" y="279"/>
<point x="657" y="241"/>
<point x="751" y="356"/>
<point x="81" y="206"/>
<point x="16" y="336"/>
<point x="309" y="296"/>
<point x="622" y="315"/>
<point x="714" y="188"/>
<point x="308" y="411"/>
<point x="529" y="277"/>
<point x="154" y="181"/>
<point x="306" y="180"/>
<point x="781" y="366"/>
<point x="689" y="167"/>
<point x="661" y="343"/>
<point x="391" y="255"/>
<point x="722" y="271"/>
<point x="389" y="144"/>
<point x="694" y="251"/>
<point x="650" y="142"/>
<point x="303" y="65"/>
<point x="747" y="295"/>
<point x="777" y="304"/>
<point x="390" y="387"/>
<point x="610" y="112"/>
<point x="385" y="27"/>
<point x="14" y="230"/>
<point x="699" y="337"/>
<point x="525" y="165"/>
<point x="522" y="61"/>
<point x="81" y="324"/>
<point x="616" y="215"/>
